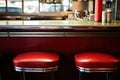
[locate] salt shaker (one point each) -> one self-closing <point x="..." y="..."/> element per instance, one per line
<point x="104" y="16"/>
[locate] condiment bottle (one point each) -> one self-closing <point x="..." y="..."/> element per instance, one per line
<point x="98" y="10"/>
<point x="109" y="15"/>
<point x="104" y="16"/>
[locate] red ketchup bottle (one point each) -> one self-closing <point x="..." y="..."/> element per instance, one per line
<point x="98" y="10"/>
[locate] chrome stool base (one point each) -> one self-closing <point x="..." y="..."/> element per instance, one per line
<point x="98" y="70"/>
<point x="23" y="70"/>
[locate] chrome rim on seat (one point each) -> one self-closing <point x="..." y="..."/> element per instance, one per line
<point x="49" y="69"/>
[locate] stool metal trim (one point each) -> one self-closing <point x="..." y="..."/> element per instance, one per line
<point x="49" y="69"/>
<point x="96" y="69"/>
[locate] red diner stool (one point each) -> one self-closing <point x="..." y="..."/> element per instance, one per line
<point x="96" y="62"/>
<point x="36" y="62"/>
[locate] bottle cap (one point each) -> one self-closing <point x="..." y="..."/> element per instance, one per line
<point x="109" y="10"/>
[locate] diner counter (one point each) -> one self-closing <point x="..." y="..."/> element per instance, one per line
<point x="64" y="37"/>
<point x="57" y="28"/>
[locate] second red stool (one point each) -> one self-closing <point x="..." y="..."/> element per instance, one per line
<point x="36" y="62"/>
<point x="96" y="62"/>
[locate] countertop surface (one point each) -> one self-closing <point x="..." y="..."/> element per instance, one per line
<point x="55" y="24"/>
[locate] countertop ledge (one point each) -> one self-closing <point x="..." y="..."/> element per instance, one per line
<point x="55" y="24"/>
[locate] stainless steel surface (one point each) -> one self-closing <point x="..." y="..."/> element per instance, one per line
<point x="36" y="34"/>
<point x="92" y="34"/>
<point x="59" y="34"/>
<point x="22" y="69"/>
<point x="96" y="69"/>
<point x="3" y="34"/>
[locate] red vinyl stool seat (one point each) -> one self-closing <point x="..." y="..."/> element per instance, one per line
<point x="96" y="62"/>
<point x="36" y="62"/>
